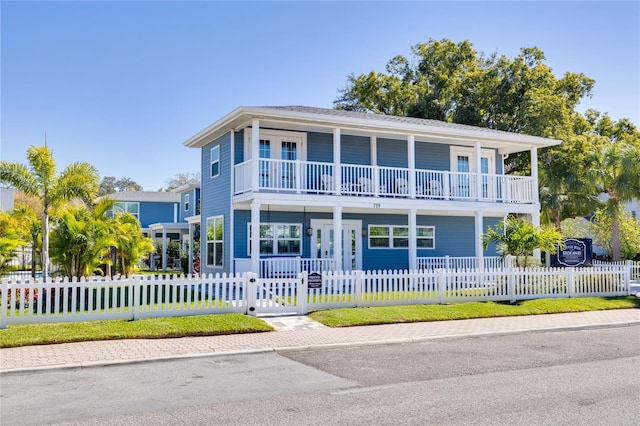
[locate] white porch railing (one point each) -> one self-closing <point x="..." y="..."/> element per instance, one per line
<point x="358" y="180"/>
<point x="287" y="267"/>
<point x="459" y="263"/>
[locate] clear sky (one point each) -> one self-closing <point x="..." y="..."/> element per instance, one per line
<point x="121" y="85"/>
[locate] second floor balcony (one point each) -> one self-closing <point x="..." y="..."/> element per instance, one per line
<point x="350" y="180"/>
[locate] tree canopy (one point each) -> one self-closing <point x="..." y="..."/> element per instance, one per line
<point x="452" y="82"/>
<point x="109" y="185"/>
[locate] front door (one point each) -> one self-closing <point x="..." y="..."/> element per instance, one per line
<point x="278" y="154"/>
<point x="463" y="164"/>
<point x="351" y="242"/>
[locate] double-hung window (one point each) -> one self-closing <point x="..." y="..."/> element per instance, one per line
<point x="278" y="239"/>
<point x="397" y="236"/>
<point x="215" y="241"/>
<point x="126" y="207"/>
<point x="186" y="201"/>
<point x="215" y="161"/>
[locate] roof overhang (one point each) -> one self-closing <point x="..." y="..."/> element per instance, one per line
<point x="241" y="117"/>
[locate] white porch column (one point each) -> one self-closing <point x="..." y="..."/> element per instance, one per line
<point x="534" y="176"/>
<point x="337" y="237"/>
<point x="478" y="240"/>
<point x="375" y="178"/>
<point x="164" y="248"/>
<point x="413" y="246"/>
<point x="478" y="152"/>
<point x="255" y="238"/>
<point x="175" y="212"/>
<point x="411" y="162"/>
<point x="337" y="168"/>
<point x="255" y="154"/>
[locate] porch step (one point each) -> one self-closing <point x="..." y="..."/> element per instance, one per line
<point x="291" y="322"/>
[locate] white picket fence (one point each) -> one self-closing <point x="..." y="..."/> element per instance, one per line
<point x="31" y="302"/>
<point x="634" y="266"/>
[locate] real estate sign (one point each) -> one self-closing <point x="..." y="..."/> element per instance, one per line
<point x="576" y="252"/>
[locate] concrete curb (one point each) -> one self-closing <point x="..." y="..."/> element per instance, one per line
<point x="279" y="349"/>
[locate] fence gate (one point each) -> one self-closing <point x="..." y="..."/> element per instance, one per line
<point x="276" y="295"/>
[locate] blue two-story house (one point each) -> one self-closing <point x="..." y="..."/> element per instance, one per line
<point x="292" y="187"/>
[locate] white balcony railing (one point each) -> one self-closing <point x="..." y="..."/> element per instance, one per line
<point x="378" y="181"/>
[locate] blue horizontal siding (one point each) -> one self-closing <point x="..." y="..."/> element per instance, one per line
<point x="320" y="147"/>
<point x="432" y="156"/>
<point x="454" y="235"/>
<point x="392" y="152"/>
<point x="155" y="212"/>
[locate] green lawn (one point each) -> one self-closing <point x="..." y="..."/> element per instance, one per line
<point x="421" y="313"/>
<point x="208" y="325"/>
<point x="148" y="328"/>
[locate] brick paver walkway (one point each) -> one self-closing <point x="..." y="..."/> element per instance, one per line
<point x="298" y="333"/>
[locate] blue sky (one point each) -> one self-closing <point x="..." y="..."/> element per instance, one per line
<point x="121" y="85"/>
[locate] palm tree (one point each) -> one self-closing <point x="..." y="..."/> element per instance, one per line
<point x="131" y="245"/>
<point x="516" y="237"/>
<point x="41" y="179"/>
<point x="616" y="173"/>
<point x="80" y="241"/>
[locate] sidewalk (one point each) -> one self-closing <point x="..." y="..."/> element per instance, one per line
<point x="295" y="333"/>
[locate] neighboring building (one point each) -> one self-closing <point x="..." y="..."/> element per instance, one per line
<point x="158" y="214"/>
<point x="349" y="190"/>
<point x="6" y="199"/>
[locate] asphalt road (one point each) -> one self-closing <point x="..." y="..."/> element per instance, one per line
<point x="587" y="377"/>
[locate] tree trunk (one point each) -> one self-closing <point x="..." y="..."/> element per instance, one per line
<point x="45" y="245"/>
<point x="615" y="237"/>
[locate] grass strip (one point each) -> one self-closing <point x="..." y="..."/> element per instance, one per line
<point x="347" y="317"/>
<point x="148" y="328"/>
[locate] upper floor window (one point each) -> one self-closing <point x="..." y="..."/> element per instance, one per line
<point x="126" y="207"/>
<point x="186" y="201"/>
<point x="215" y="161"/>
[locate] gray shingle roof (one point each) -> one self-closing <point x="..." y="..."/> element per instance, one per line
<point x="145" y="196"/>
<point x="382" y="117"/>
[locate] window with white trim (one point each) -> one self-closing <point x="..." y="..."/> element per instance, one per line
<point x="397" y="236"/>
<point x="215" y="241"/>
<point x="186" y="201"/>
<point x="132" y="207"/>
<point x="215" y="161"/>
<point x="278" y="239"/>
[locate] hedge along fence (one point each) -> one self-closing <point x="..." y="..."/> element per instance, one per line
<point x="98" y="298"/>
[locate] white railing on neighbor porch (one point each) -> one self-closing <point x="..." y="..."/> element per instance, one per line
<point x="358" y="180"/>
<point x="33" y="302"/>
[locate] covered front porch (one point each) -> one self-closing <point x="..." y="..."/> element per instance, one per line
<point x="283" y="239"/>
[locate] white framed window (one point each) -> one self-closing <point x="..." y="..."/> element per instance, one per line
<point x="186" y="201"/>
<point x="132" y="207"/>
<point x="426" y="237"/>
<point x="215" y="241"/>
<point x="278" y="239"/>
<point x="397" y="236"/>
<point x="215" y="161"/>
